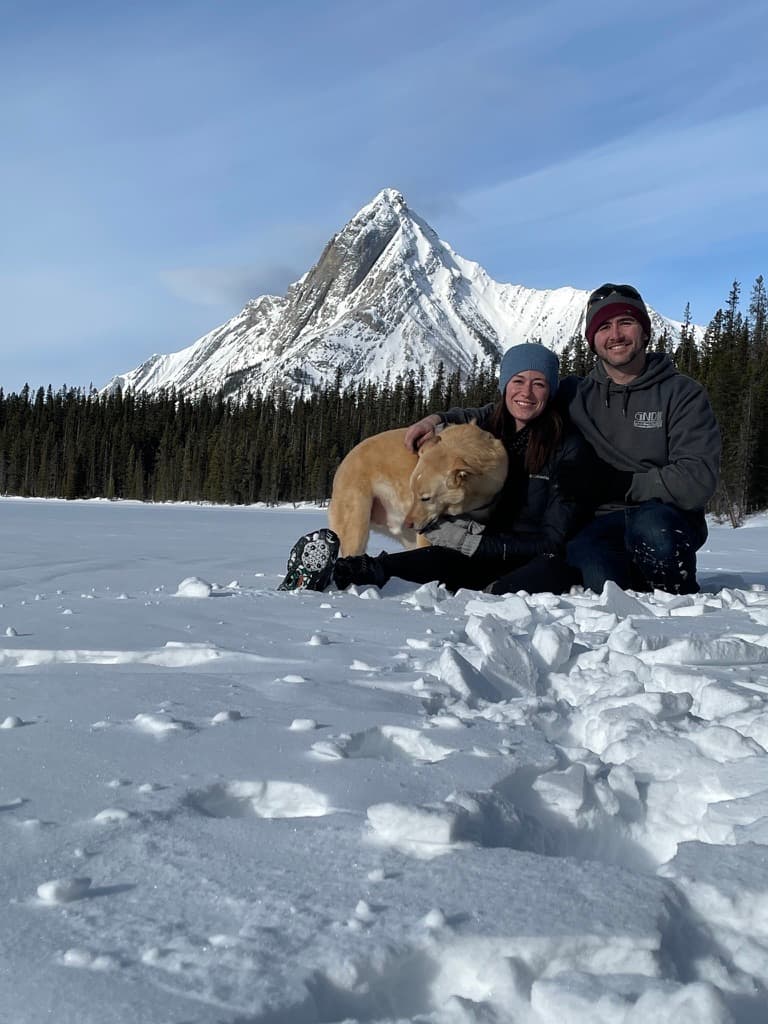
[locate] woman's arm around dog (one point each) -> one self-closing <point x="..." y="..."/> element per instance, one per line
<point x="425" y="428"/>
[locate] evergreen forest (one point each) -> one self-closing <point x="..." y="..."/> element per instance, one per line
<point x="274" y="447"/>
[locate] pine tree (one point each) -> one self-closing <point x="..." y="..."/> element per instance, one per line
<point x="581" y="356"/>
<point x="686" y="355"/>
<point x="758" y="314"/>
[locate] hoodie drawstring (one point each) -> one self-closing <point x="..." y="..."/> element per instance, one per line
<point x="625" y="401"/>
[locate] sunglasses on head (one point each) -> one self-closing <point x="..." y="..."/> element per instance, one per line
<point x="619" y="289"/>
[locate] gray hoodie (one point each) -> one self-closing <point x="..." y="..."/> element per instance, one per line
<point x="660" y="427"/>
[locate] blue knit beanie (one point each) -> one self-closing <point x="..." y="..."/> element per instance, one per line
<point x="529" y="357"/>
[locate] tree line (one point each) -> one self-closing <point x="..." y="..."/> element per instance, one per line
<point x="270" y="447"/>
<point x="273" y="447"/>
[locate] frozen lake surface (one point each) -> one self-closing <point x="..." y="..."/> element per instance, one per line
<point x="221" y="804"/>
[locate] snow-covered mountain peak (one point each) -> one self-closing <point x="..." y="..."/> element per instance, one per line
<point x="385" y="297"/>
<point x="387" y="199"/>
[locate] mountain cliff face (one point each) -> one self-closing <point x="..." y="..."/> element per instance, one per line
<point x="387" y="295"/>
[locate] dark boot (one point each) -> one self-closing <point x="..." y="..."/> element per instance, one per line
<point x="360" y="569"/>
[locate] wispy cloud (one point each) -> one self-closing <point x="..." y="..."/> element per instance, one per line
<point x="690" y="177"/>
<point x="232" y="286"/>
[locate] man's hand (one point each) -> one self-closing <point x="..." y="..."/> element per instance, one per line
<point x="457" y="532"/>
<point x="416" y="435"/>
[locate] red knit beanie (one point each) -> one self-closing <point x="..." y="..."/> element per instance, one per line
<point x="610" y="300"/>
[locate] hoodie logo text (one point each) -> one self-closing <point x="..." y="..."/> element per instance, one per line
<point x="649" y="420"/>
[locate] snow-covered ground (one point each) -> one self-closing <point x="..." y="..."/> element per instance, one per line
<point x="221" y="804"/>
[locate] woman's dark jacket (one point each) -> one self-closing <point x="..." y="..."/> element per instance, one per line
<point x="531" y="516"/>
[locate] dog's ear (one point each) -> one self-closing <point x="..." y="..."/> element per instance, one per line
<point x="430" y="442"/>
<point x="459" y="473"/>
<point x="473" y="421"/>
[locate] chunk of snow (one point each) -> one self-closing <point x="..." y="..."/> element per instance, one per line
<point x="303" y="724"/>
<point x="63" y="890"/>
<point x="193" y="586"/>
<point x="226" y="716"/>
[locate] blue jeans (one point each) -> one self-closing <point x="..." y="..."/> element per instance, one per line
<point x="651" y="546"/>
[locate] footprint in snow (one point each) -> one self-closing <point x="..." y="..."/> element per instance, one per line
<point x="18" y="801"/>
<point x="85" y="960"/>
<point x="385" y="743"/>
<point x="259" y="799"/>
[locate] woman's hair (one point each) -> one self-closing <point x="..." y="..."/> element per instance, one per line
<point x="544" y="433"/>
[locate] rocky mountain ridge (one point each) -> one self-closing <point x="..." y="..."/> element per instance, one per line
<point x="386" y="295"/>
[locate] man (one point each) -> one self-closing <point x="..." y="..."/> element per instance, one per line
<point x="658" y="453"/>
<point x="658" y="441"/>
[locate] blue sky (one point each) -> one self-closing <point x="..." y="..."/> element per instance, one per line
<point x="166" y="160"/>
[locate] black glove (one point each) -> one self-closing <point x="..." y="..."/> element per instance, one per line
<point x="611" y="485"/>
<point x="593" y="482"/>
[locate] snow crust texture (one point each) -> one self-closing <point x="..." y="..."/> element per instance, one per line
<point x="454" y="809"/>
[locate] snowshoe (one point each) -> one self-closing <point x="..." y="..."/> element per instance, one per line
<point x="311" y="561"/>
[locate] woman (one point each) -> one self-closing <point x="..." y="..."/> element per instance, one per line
<point x="521" y="546"/>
